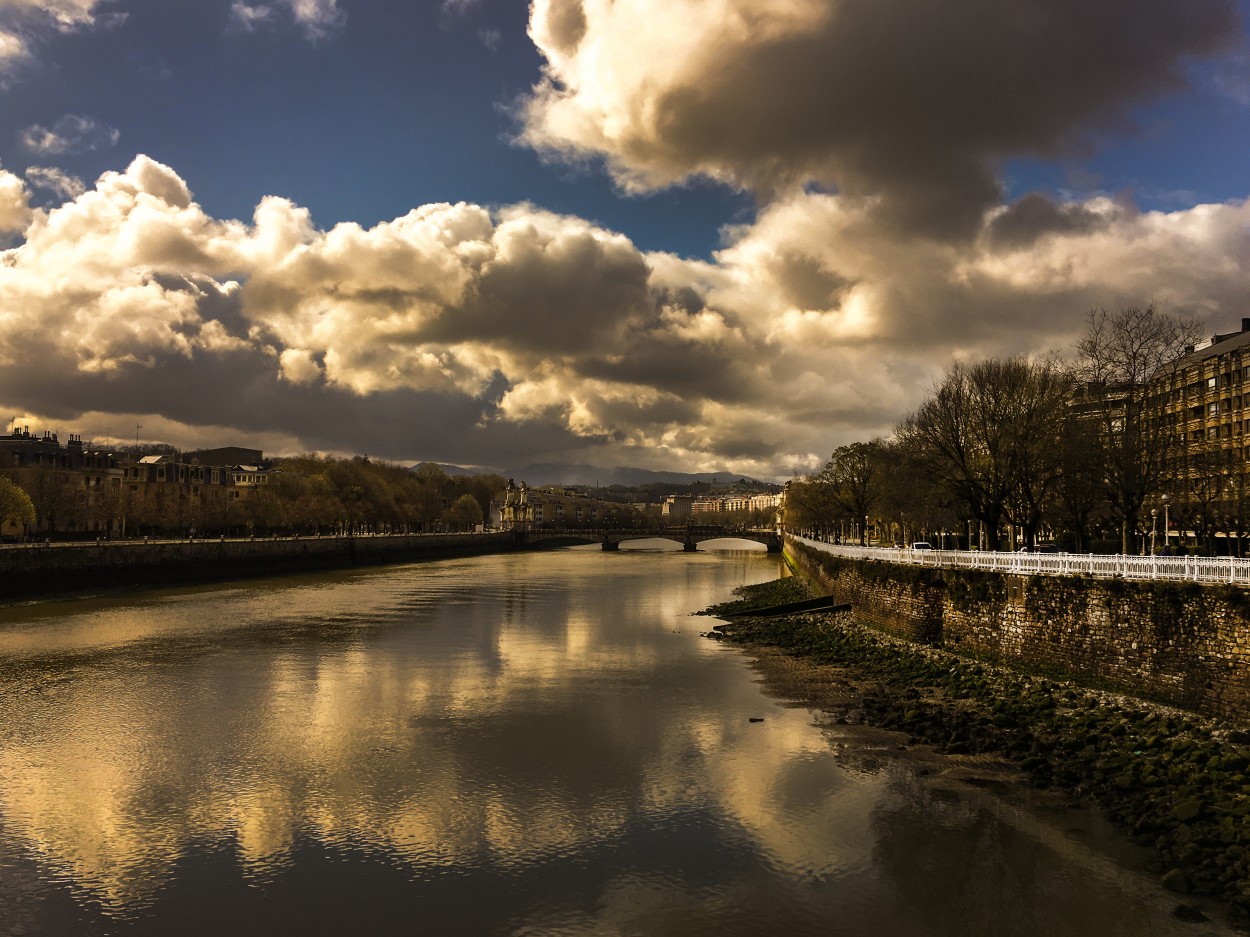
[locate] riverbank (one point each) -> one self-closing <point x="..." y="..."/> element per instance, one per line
<point x="62" y="569"/>
<point x="1175" y="782"/>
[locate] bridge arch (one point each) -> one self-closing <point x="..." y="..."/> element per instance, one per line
<point x="689" y="536"/>
<point x="732" y="542"/>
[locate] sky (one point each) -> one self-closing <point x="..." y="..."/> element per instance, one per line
<point x="695" y="235"/>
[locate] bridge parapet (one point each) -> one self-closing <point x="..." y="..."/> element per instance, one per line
<point x="689" y="536"/>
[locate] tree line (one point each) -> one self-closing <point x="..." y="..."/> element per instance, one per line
<point x="306" y="494"/>
<point x="1003" y="453"/>
<point x="317" y="494"/>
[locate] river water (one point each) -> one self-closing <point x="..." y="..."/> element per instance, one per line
<point x="536" y="744"/>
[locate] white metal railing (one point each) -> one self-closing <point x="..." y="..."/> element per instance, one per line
<point x="1227" y="569"/>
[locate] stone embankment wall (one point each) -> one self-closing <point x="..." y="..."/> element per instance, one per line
<point x="64" y="568"/>
<point x="1178" y="643"/>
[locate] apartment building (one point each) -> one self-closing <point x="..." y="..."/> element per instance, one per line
<point x="523" y="506"/>
<point x="81" y="491"/>
<point x="1201" y="407"/>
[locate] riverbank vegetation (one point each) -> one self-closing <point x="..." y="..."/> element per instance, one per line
<point x="308" y="494"/>
<point x="1174" y="782"/>
<point x="311" y="494"/>
<point x="763" y="595"/>
<point x="1089" y="452"/>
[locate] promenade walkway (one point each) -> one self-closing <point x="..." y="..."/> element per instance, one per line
<point x="122" y="543"/>
<point x="1209" y="569"/>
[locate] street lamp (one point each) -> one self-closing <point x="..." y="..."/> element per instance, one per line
<point x="1154" y="528"/>
<point x="1167" y="527"/>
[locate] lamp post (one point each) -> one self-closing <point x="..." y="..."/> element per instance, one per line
<point x="865" y="530"/>
<point x="1167" y="527"/>
<point x="1154" y="528"/>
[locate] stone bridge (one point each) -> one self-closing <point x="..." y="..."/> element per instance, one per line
<point x="688" y="535"/>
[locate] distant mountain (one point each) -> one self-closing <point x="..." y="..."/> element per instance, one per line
<point x="548" y="473"/>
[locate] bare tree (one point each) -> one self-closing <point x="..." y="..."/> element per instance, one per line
<point x="1119" y="356"/>
<point x="1078" y="497"/>
<point x="856" y="478"/>
<point x="810" y="506"/>
<point x="989" y="433"/>
<point x="1036" y="397"/>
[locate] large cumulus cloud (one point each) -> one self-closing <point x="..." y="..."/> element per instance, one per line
<point x="14" y="204"/>
<point x="910" y="101"/>
<point x="483" y="336"/>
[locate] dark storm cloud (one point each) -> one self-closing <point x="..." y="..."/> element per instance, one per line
<point x="1035" y="216"/>
<point x="553" y="292"/>
<point x="912" y="101"/>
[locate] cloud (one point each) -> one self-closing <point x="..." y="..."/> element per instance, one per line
<point x="315" y="18"/>
<point x="72" y="133"/>
<point x="64" y="15"/>
<point x="25" y="23"/>
<point x="490" y="38"/>
<point x="15" y="211"/>
<point x="1034" y="216"/>
<point x="461" y="333"/>
<point x="910" y="104"/>
<point x="247" y="16"/>
<point x="1232" y="76"/>
<point x="14" y="51"/>
<point x="55" y="181"/>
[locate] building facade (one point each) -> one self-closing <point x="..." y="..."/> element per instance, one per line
<point x="521" y="506"/>
<point x="79" y="491"/>
<point x="1200" y="409"/>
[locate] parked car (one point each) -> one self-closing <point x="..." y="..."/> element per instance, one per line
<point x="922" y="545"/>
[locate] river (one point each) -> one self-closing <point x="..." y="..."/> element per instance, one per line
<point x="525" y="744"/>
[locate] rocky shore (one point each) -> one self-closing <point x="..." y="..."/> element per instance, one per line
<point x="1176" y="782"/>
